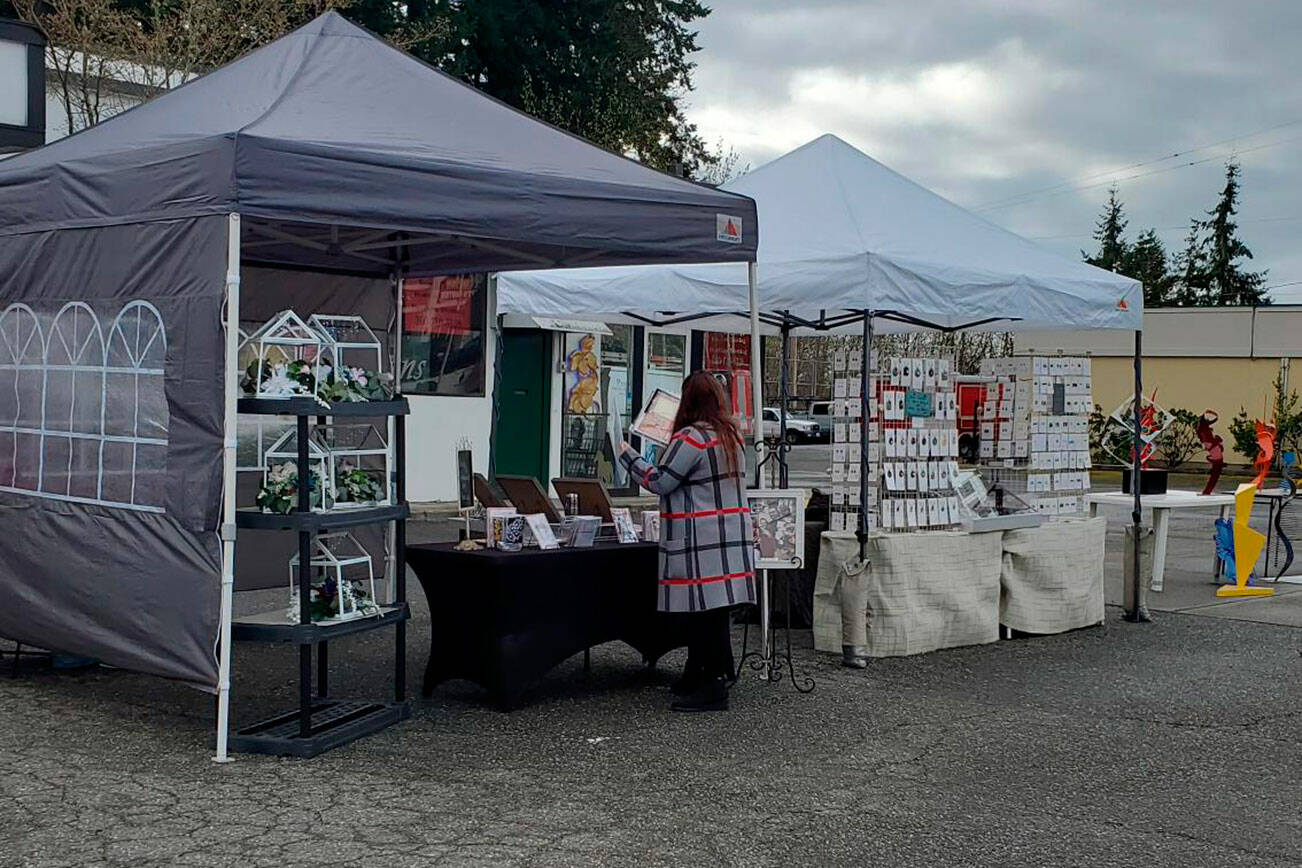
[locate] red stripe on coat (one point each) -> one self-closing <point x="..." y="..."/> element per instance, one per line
<point x="707" y="579"/>
<point x="692" y="441"/>
<point x="706" y="513"/>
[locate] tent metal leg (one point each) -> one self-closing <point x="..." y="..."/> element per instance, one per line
<point x="784" y="380"/>
<point x="1136" y="611"/>
<point x="495" y="402"/>
<point x="400" y="565"/>
<point x="304" y="589"/>
<point x="757" y="396"/>
<point x="865" y="368"/>
<point x="230" y="421"/>
<point x="756" y="376"/>
<point x="391" y="537"/>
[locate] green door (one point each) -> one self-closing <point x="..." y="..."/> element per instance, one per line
<point x="523" y="422"/>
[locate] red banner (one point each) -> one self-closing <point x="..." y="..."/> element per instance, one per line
<point x="727" y="352"/>
<point x="439" y="305"/>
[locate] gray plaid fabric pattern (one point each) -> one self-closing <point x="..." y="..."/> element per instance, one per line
<point x="706" y="541"/>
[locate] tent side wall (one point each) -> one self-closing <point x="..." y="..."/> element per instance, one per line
<point x="111" y="360"/>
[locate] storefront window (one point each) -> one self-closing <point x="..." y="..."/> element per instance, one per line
<point x="597" y="405"/>
<point x="443" y="342"/>
<point x="666" y="366"/>
<point x="666" y="362"/>
<point x="728" y="356"/>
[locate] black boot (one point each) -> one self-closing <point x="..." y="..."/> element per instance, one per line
<point x="712" y="695"/>
<point x="689" y="682"/>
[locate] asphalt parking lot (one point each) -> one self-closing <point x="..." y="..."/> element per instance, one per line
<point x="1171" y="743"/>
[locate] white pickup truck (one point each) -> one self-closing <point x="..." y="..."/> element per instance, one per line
<point x="799" y="429"/>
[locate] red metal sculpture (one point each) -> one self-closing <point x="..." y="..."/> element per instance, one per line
<point x="1150" y="429"/>
<point x="1215" y="446"/>
<point x="1265" y="451"/>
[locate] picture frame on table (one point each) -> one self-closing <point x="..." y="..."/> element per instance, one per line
<point x="541" y="530"/>
<point x="495" y="524"/>
<point x="778" y="519"/>
<point x="625" y="530"/>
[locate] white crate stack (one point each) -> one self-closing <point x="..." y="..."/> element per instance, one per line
<point x="848" y="461"/>
<point x="917" y="421"/>
<point x="1034" y="430"/>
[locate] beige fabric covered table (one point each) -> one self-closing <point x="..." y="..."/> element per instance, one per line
<point x="1052" y="578"/>
<point x="920" y="592"/>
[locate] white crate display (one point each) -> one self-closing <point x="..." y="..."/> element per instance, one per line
<point x="281" y="358"/>
<point x="342" y="581"/>
<point x="917" y="422"/>
<point x="1034" y="430"/>
<point x="848" y="460"/>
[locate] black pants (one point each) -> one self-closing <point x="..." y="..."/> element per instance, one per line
<point x="709" y="643"/>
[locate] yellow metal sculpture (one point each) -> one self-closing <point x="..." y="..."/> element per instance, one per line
<point x="1248" y="544"/>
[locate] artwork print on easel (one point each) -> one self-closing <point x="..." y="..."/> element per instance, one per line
<point x="778" y="522"/>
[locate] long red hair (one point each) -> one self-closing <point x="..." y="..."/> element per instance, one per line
<point x="704" y="403"/>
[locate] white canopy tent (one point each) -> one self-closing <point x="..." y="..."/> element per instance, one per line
<point x="847" y="244"/>
<point x="840" y="232"/>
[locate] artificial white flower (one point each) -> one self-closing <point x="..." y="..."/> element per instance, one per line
<point x="279" y="384"/>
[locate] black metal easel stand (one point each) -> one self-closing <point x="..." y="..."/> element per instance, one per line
<point x="775" y="666"/>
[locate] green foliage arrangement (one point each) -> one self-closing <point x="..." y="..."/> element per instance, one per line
<point x="354" y="485"/>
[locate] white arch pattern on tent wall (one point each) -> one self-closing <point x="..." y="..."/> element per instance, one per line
<point x="83" y="417"/>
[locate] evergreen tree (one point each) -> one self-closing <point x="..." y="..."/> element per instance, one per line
<point x="1146" y="261"/>
<point x="1190" y="278"/>
<point x="1110" y="232"/>
<point x="613" y="71"/>
<point x="1227" y="282"/>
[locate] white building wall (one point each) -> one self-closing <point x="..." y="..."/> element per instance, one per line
<point x="1272" y="331"/>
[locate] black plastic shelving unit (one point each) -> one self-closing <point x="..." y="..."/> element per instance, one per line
<point x="322" y="722"/>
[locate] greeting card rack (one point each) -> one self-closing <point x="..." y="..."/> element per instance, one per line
<point x="321" y="722"/>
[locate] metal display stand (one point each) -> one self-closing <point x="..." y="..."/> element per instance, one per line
<point x="322" y="722"/>
<point x="766" y="660"/>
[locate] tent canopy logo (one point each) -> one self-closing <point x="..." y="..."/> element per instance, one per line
<point x="727" y="228"/>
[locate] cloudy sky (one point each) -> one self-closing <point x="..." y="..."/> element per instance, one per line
<point x="1026" y="110"/>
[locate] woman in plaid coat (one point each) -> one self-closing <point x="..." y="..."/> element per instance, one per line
<point x="706" y="540"/>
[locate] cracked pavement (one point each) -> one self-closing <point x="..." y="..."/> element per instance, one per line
<point x="1172" y="743"/>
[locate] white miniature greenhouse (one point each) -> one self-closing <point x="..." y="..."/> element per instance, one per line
<point x="339" y="565"/>
<point x="281" y="472"/>
<point x="349" y="342"/>
<point x="283" y="347"/>
<point x="357" y="464"/>
<point x="349" y="464"/>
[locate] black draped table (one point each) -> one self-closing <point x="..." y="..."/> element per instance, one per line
<point x="503" y="619"/>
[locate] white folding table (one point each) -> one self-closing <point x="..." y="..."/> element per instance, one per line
<point x="1162" y="504"/>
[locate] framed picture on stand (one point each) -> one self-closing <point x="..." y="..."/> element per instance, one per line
<point x="778" y="518"/>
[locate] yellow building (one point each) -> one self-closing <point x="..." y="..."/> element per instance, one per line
<point x="1222" y="359"/>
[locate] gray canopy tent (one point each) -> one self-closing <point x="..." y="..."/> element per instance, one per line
<point x="121" y="254"/>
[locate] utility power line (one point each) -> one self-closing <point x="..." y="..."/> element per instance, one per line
<point x="1181" y="226"/>
<point x="1078" y="184"/>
